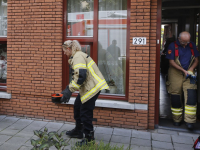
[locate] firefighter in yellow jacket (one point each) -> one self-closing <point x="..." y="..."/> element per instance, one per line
<point x="86" y="78"/>
<point x="183" y="59"/>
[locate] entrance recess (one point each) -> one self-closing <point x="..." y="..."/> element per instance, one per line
<point x="174" y="16"/>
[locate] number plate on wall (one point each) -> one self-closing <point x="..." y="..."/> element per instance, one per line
<point x="139" y="40"/>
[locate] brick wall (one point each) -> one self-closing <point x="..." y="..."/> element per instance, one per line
<point x="35" y="64"/>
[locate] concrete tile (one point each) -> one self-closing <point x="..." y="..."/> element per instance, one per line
<point x="38" y="124"/>
<point x="182" y="139"/>
<point x="24" y="134"/>
<point x="3" y="126"/>
<point x="104" y="130"/>
<point x="120" y="139"/>
<point x="66" y="127"/>
<point x="2" y="117"/>
<point x="136" y="147"/>
<point x="49" y="129"/>
<point x="9" y="120"/>
<point x="194" y="136"/>
<point x="119" y="145"/>
<point x="167" y="132"/>
<point x="161" y="137"/>
<point x="139" y="142"/>
<point x="22" y="123"/>
<point x="158" y="148"/>
<point x="54" y="125"/>
<point x="16" y="140"/>
<point x="4" y="138"/>
<point x="8" y="146"/>
<point x="141" y="134"/>
<point x="103" y="137"/>
<point x="178" y="146"/>
<point x="26" y="147"/>
<point x="8" y="131"/>
<point x="122" y="132"/>
<point x="162" y="145"/>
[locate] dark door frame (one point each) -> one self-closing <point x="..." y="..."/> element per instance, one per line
<point x="157" y="76"/>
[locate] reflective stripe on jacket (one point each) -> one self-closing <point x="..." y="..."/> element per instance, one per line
<point x="87" y="77"/>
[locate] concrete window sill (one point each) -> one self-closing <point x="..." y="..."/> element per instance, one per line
<point x="5" y="95"/>
<point x="115" y="104"/>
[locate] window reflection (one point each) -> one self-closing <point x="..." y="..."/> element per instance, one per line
<point x="80" y="18"/>
<point x="3" y="18"/>
<point x="112" y="44"/>
<point x="3" y="63"/>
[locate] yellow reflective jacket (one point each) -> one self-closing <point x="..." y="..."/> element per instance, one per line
<point x="87" y="77"/>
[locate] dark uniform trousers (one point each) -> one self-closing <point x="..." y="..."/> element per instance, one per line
<point x="83" y="113"/>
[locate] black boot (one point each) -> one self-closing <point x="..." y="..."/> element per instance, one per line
<point x="89" y="138"/>
<point x="190" y="126"/>
<point x="76" y="132"/>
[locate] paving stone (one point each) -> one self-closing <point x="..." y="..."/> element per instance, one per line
<point x="54" y="125"/>
<point x="3" y="126"/>
<point x="194" y="136"/>
<point x="139" y="142"/>
<point x="141" y="134"/>
<point x="8" y="131"/>
<point x="120" y="139"/>
<point x="8" y="146"/>
<point x="22" y="123"/>
<point x="178" y="146"/>
<point x="66" y="127"/>
<point x="38" y="124"/>
<point x="2" y="117"/>
<point x="4" y="138"/>
<point x="26" y="147"/>
<point x="16" y="140"/>
<point x="153" y="148"/>
<point x="24" y="134"/>
<point x="167" y="132"/>
<point x="125" y="146"/>
<point x="161" y="137"/>
<point x="162" y="145"/>
<point x="104" y="130"/>
<point x="122" y="132"/>
<point x="9" y="120"/>
<point x="28" y="143"/>
<point x="182" y="139"/>
<point x="136" y="147"/>
<point x="103" y="137"/>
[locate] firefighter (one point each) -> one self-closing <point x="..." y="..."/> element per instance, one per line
<point x="183" y="59"/>
<point x="86" y="78"/>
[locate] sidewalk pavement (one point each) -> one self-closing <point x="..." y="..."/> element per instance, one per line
<point x="15" y="134"/>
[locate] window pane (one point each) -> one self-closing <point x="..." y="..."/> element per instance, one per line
<point x="3" y="18"/>
<point x="85" y="49"/>
<point x="80" y="17"/>
<point x="3" y="63"/>
<point x="112" y="30"/>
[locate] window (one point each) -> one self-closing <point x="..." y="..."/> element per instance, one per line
<point x="101" y="28"/>
<point x="3" y="44"/>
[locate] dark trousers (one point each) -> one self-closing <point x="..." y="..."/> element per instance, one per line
<point x="83" y="113"/>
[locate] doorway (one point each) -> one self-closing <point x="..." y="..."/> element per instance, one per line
<point x="176" y="16"/>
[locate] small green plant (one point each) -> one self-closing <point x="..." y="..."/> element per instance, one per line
<point x="98" y="146"/>
<point x="111" y="82"/>
<point x="46" y="140"/>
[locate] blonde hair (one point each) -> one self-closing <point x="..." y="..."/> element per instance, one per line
<point x="74" y="45"/>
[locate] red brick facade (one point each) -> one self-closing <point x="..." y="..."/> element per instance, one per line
<point x="34" y="70"/>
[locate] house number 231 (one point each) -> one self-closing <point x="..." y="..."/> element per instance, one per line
<point x="139" y="40"/>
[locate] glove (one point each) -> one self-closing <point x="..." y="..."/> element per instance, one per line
<point x="191" y="75"/>
<point x="66" y="95"/>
